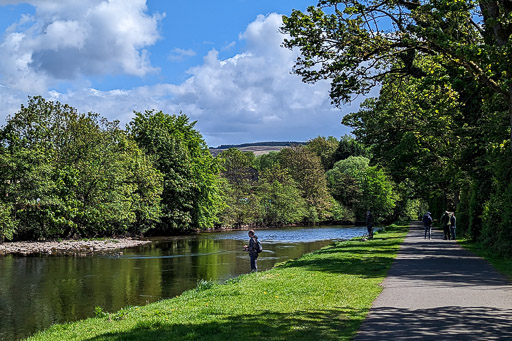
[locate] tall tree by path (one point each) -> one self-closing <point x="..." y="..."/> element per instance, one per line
<point x="356" y="43"/>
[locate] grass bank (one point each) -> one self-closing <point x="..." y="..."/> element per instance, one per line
<point x="324" y="295"/>
<point x="502" y="264"/>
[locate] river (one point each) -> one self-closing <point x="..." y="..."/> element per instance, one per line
<point x="38" y="291"/>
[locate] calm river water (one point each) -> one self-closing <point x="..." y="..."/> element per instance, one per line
<point x="38" y="291"/>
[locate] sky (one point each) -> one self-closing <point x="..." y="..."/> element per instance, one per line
<point x="219" y="62"/>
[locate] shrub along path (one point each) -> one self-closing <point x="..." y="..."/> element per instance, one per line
<point x="321" y="296"/>
<point x="436" y="290"/>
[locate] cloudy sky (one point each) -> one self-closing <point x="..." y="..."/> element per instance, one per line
<point x="219" y="62"/>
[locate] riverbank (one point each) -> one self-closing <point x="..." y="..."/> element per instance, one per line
<point x="323" y="295"/>
<point x="87" y="247"/>
<point x="69" y="247"/>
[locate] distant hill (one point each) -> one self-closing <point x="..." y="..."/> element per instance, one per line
<point x="258" y="148"/>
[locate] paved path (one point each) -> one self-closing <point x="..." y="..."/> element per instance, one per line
<point x="435" y="290"/>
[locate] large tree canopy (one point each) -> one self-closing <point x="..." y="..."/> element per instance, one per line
<point x="442" y="122"/>
<point x="355" y="44"/>
<point x="63" y="173"/>
<point x="190" y="194"/>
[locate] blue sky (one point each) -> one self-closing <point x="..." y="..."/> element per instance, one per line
<point x="219" y="62"/>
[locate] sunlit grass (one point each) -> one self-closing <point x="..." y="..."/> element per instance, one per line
<point x="324" y="295"/>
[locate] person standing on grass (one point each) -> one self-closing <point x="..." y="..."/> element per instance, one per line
<point x="427" y="224"/>
<point x="254" y="248"/>
<point x="445" y="220"/>
<point x="369" y="224"/>
<point x="453" y="225"/>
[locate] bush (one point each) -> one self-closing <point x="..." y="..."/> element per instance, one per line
<point x="7" y="224"/>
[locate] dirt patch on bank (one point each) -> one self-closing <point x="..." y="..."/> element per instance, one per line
<point x="69" y="247"/>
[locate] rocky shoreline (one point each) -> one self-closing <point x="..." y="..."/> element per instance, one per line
<point x="70" y="247"/>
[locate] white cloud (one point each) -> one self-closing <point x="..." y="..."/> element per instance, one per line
<point x="69" y="39"/>
<point x="178" y="54"/>
<point x="251" y="96"/>
<point x="229" y="46"/>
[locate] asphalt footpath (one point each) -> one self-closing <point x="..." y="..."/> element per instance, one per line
<point x="436" y="290"/>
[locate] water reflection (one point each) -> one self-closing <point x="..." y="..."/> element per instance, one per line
<point x="38" y="291"/>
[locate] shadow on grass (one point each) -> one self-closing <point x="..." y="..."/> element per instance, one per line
<point x="443" y="323"/>
<point x="368" y="267"/>
<point x="341" y="323"/>
<point x="367" y="259"/>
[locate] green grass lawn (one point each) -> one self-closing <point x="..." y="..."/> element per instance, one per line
<point x="502" y="264"/>
<point x="324" y="295"/>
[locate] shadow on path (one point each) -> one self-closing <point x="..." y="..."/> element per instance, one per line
<point x="435" y="290"/>
<point x="444" y="323"/>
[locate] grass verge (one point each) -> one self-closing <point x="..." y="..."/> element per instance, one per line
<point x="500" y="263"/>
<point x="324" y="295"/>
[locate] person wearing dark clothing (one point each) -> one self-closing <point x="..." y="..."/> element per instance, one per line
<point x="252" y="248"/>
<point x="453" y="225"/>
<point x="445" y="219"/>
<point x="427" y="224"/>
<point x="369" y="224"/>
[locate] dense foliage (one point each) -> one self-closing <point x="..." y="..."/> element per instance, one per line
<point x="65" y="174"/>
<point x="327" y="180"/>
<point x="441" y="123"/>
<point x="71" y="175"/>
<point x="190" y="196"/>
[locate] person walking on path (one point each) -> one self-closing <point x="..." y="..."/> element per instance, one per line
<point x="369" y="224"/>
<point x="445" y="220"/>
<point x="254" y="248"/>
<point x="427" y="224"/>
<point x="453" y="225"/>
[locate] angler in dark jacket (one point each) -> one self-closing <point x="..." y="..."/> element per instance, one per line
<point x="253" y="248"/>
<point x="369" y="224"/>
<point x="427" y="224"/>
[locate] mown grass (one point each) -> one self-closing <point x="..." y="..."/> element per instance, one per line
<point x="502" y="264"/>
<point x="324" y="295"/>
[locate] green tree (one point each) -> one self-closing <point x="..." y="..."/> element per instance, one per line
<point x="280" y="199"/>
<point x="434" y="133"/>
<point x="306" y="169"/>
<point x="191" y="192"/>
<point x="70" y="174"/>
<point x="378" y="193"/>
<point x="237" y="167"/>
<point x="240" y="178"/>
<point x="8" y="224"/>
<point x="345" y="182"/>
<point x="266" y="161"/>
<point x="348" y="146"/>
<point x="362" y="187"/>
<point x="442" y="122"/>
<point x="356" y="44"/>
<point x="325" y="148"/>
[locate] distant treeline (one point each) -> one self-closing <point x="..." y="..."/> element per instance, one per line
<point x="261" y="144"/>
